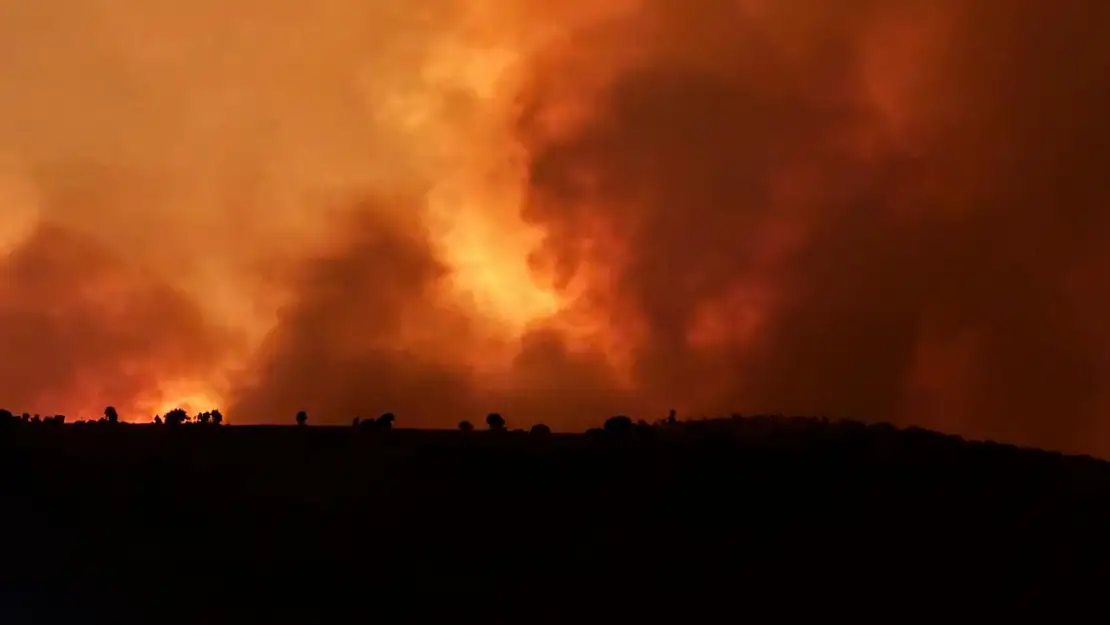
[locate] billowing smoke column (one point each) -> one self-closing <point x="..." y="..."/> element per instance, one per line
<point x="889" y="211"/>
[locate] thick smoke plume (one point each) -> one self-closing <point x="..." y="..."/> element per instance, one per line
<point x="881" y="210"/>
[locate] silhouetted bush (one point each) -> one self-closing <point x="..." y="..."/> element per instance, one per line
<point x="111" y="415"/>
<point x="495" y="422"/>
<point x="176" y="417"/>
<point x="302" y="418"/>
<point x="540" y="429"/>
<point x="466" y="426"/>
<point x="619" y="424"/>
<point x="217" y="417"/>
<point x="385" y="422"/>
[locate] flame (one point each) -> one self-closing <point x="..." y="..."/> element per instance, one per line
<point x="473" y="210"/>
<point x="194" y="399"/>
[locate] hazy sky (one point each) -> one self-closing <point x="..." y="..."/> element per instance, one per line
<point x="888" y="210"/>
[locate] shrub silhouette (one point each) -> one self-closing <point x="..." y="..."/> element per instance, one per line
<point x="177" y="416"/>
<point x="6" y="415"/>
<point x="217" y="417"/>
<point x="302" y="418"/>
<point x="540" y="429"/>
<point x="385" y="422"/>
<point x="466" y="426"/>
<point x="495" y="422"/>
<point x="619" y="424"/>
<point x="204" y="418"/>
<point x="111" y="415"/>
<point x="157" y="419"/>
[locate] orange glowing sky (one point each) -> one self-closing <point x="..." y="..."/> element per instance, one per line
<point x="887" y="210"/>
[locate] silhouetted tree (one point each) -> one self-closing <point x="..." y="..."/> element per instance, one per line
<point x="177" y="416"/>
<point x="302" y="418"/>
<point x="672" y="418"/>
<point x="355" y="422"/>
<point x="37" y="419"/>
<point x="466" y="426"/>
<point x="157" y="420"/>
<point x="385" y="422"/>
<point x="495" y="422"/>
<point x="26" y="417"/>
<point x="59" y="419"/>
<point x="204" y="418"/>
<point x="540" y="429"/>
<point x="618" y="424"/>
<point x="111" y="415"/>
<point x="217" y="417"/>
<point x="6" y="415"/>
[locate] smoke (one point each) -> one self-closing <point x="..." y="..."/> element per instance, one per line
<point x="830" y="209"/>
<point x="889" y="211"/>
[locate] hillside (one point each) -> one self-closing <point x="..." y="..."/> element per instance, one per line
<point x="713" y="521"/>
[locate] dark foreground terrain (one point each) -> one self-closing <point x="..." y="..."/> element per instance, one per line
<point x="740" y="520"/>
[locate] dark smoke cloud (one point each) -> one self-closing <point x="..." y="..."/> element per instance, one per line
<point x="370" y="331"/>
<point x="979" y="227"/>
<point x="336" y="349"/>
<point x="78" y="326"/>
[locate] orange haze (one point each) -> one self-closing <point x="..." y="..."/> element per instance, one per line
<point x="559" y="210"/>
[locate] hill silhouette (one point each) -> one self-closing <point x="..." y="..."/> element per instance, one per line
<point x="762" y="518"/>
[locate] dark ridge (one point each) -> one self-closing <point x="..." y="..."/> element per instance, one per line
<point x="744" y="519"/>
